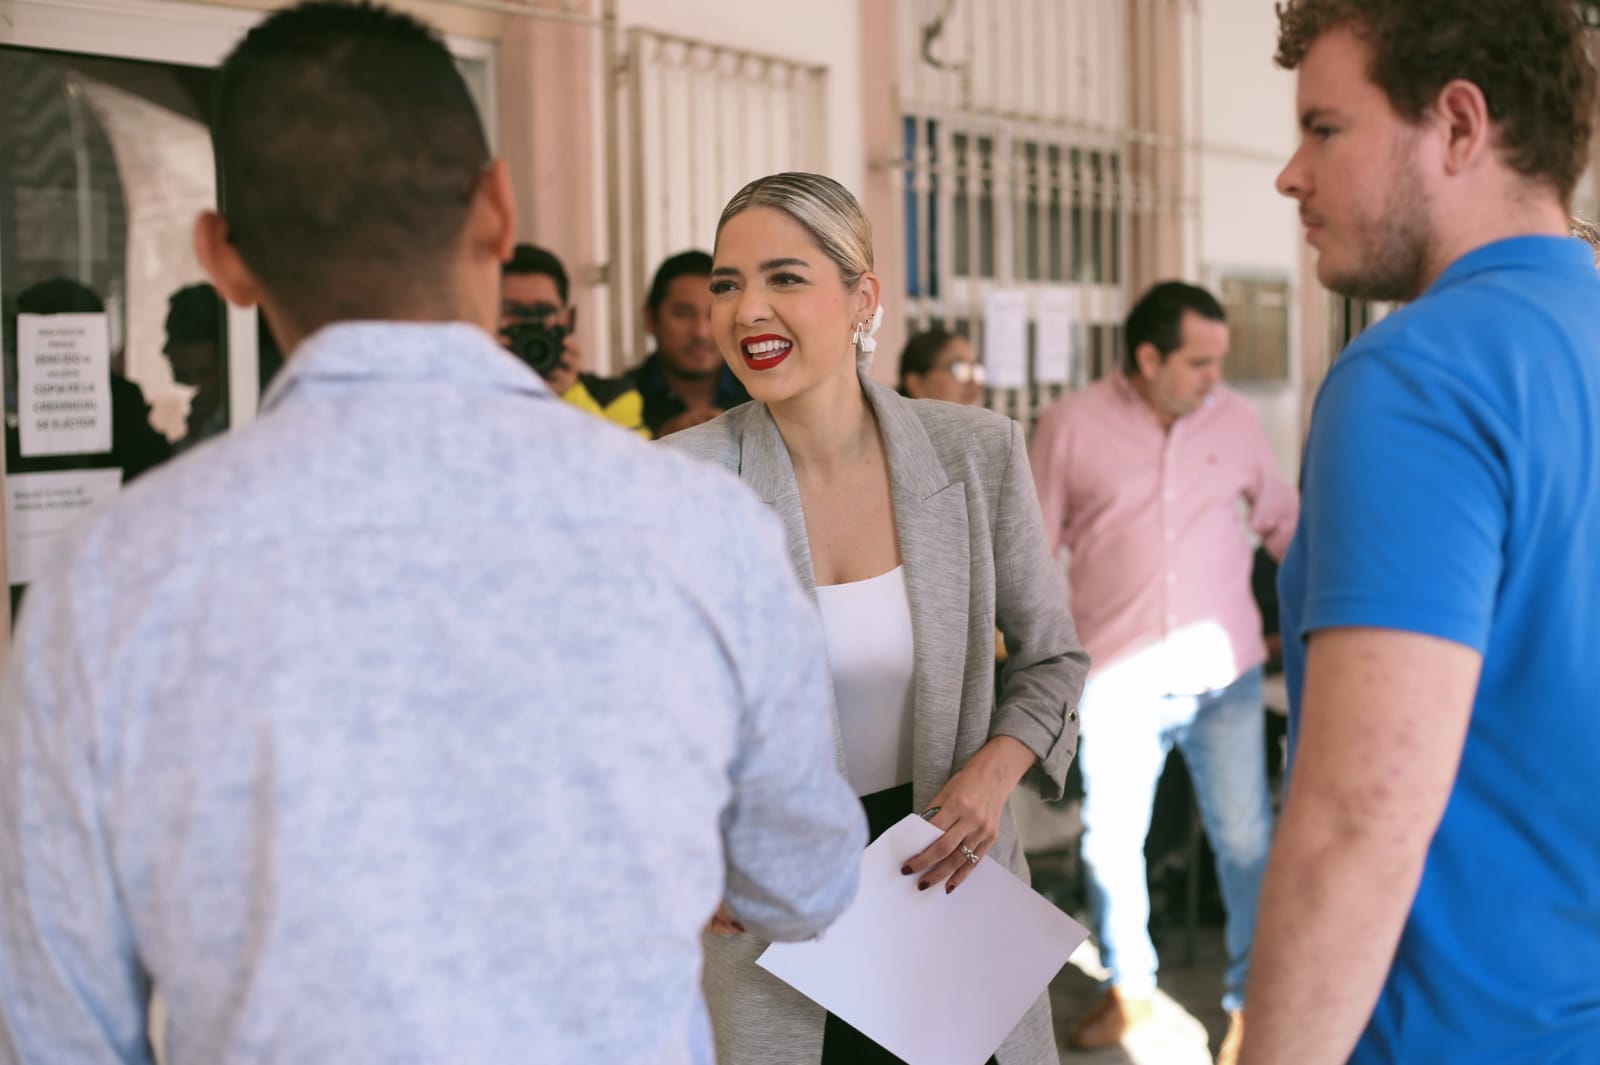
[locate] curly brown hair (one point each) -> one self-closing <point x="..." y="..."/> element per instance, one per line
<point x="1529" y="57"/>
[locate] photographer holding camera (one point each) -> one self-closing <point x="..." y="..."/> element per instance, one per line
<point x="537" y="324"/>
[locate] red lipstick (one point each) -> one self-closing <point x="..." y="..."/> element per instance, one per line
<point x="765" y="351"/>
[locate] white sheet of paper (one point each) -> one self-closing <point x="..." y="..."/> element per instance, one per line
<point x="1052" y="322"/>
<point x="42" y="506"/>
<point x="63" y="384"/>
<point x="937" y="979"/>
<point x="1005" y="338"/>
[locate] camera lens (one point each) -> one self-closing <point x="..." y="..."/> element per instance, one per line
<point x="538" y="345"/>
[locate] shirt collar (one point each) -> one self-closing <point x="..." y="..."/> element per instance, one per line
<point x="438" y="352"/>
<point x="651" y="381"/>
<point x="1132" y="396"/>
<point x="1535" y="252"/>
<point x="1125" y="389"/>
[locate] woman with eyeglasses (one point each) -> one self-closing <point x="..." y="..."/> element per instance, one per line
<point x="916" y="527"/>
<point x="940" y="365"/>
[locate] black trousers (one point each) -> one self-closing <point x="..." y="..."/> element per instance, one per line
<point x="842" y="1044"/>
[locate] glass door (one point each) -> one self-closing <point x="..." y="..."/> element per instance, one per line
<point x="116" y="350"/>
<point x="117" y="355"/>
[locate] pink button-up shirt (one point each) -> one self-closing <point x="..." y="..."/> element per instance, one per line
<point x="1155" y="523"/>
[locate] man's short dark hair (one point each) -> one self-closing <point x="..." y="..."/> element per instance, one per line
<point x="1158" y="319"/>
<point x="348" y="154"/>
<point x="530" y="259"/>
<point x="1528" y="57"/>
<point x="684" y="264"/>
<point x="194" y="313"/>
<point x="59" y="295"/>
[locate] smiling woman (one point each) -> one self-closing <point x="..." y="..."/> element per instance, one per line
<point x="916" y="527"/>
<point x="791" y="251"/>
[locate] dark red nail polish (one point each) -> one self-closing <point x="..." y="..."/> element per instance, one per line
<point x="738" y="927"/>
<point x="905" y="870"/>
<point x="922" y="886"/>
<point x="949" y="888"/>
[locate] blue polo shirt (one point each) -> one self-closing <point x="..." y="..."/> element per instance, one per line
<point x="1452" y="488"/>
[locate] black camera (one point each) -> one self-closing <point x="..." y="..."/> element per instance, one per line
<point x="537" y="342"/>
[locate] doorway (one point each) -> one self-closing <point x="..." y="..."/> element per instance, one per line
<point x="117" y="354"/>
<point x="105" y="160"/>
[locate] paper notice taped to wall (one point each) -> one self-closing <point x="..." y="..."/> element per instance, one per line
<point x="1005" y="338"/>
<point x="1052" y="322"/>
<point x="42" y="507"/>
<point x="63" y="384"/>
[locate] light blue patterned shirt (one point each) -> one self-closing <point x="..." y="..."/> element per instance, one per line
<point x="425" y="720"/>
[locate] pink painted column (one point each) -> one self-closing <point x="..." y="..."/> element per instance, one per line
<point x="882" y="195"/>
<point x="547" y="109"/>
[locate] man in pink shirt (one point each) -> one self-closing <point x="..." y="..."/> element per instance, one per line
<point x="1148" y="477"/>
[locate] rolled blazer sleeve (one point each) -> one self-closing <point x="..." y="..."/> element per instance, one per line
<point x="1045" y="663"/>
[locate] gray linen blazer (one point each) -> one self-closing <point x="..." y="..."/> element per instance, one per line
<point x="976" y="558"/>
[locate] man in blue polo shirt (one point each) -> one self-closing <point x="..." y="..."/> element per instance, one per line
<point x="1434" y="891"/>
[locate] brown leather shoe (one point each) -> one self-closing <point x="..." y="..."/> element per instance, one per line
<point x="1109" y="1020"/>
<point x="1229" y="1053"/>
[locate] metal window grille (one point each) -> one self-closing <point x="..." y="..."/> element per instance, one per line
<point x="701" y="120"/>
<point x="1045" y="148"/>
<point x="1349" y="318"/>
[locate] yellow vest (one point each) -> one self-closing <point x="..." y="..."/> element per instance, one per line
<point x="626" y="410"/>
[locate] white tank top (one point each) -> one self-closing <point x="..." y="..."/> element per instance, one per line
<point x="868" y="629"/>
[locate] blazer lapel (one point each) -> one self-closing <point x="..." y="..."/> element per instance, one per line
<point x="930" y="513"/>
<point x="764" y="465"/>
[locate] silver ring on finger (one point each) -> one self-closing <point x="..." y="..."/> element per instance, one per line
<point x="971" y="855"/>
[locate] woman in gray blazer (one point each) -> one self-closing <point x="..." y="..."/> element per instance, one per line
<point x="914" y="523"/>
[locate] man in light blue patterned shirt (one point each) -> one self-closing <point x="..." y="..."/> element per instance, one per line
<point x="320" y="732"/>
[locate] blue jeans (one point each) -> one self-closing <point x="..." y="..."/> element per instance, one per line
<point x="1127" y="735"/>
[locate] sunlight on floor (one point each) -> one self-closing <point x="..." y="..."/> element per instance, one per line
<point x="1175" y="1036"/>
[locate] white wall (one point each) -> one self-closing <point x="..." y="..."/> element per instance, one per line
<point x="1248" y="130"/>
<point x="1586" y="204"/>
<point x="826" y="32"/>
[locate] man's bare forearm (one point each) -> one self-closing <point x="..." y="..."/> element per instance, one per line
<point x="1332" y="911"/>
<point x="1384" y="717"/>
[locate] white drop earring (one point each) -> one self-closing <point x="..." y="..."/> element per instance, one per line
<point x="866" y="336"/>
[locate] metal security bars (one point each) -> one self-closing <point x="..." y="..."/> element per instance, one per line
<point x="1047" y="158"/>
<point x="701" y="121"/>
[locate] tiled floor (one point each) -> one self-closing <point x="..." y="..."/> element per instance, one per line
<point x="1189" y="1021"/>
